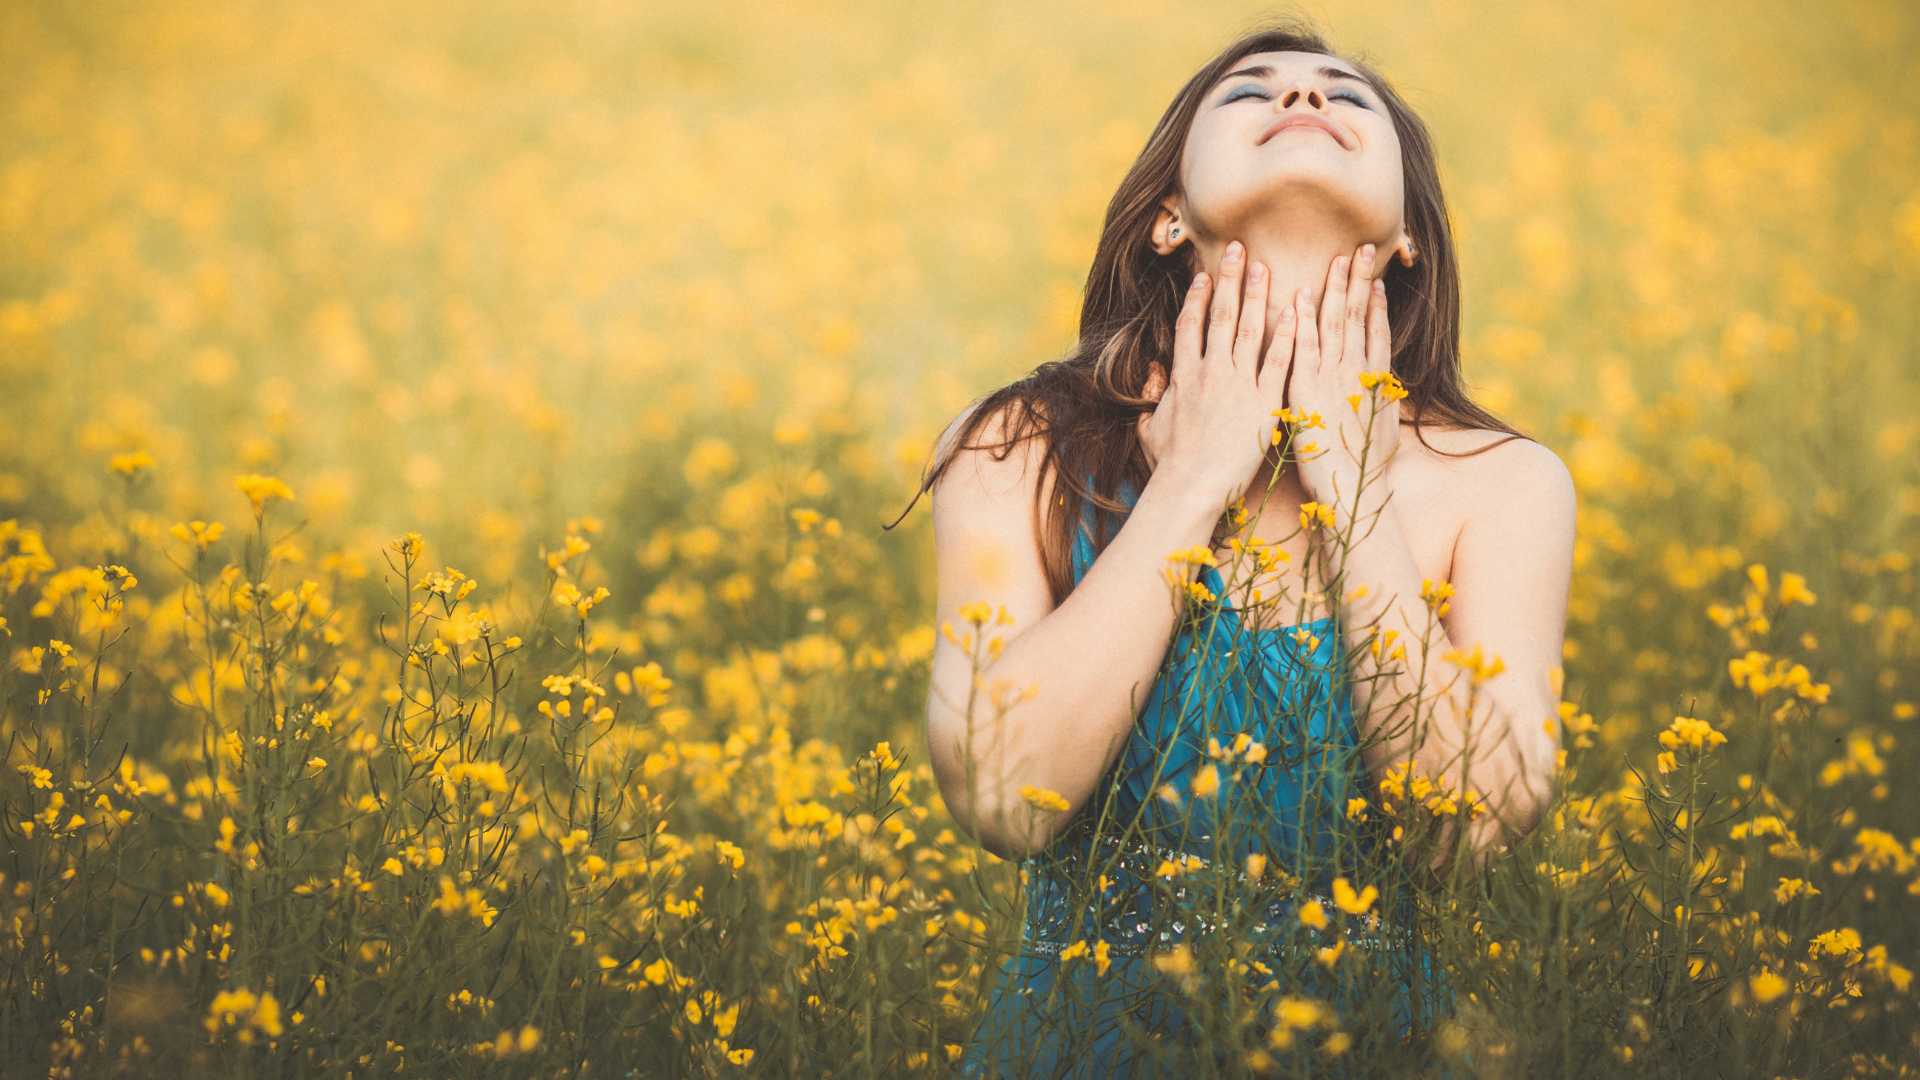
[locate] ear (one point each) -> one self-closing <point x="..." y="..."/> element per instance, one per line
<point x="1164" y="219"/>
<point x="1156" y="385"/>
<point x="1406" y="249"/>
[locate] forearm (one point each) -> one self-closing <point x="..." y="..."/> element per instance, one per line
<point x="1413" y="705"/>
<point x="1052" y="709"/>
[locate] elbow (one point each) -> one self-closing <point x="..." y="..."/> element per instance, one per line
<point x="1499" y="830"/>
<point x="977" y="797"/>
<point x="1528" y="796"/>
<point x="1012" y="832"/>
<point x="1003" y="845"/>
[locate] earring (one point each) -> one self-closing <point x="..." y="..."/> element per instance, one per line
<point x="1174" y="233"/>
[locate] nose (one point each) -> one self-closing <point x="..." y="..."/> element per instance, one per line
<point x="1315" y="99"/>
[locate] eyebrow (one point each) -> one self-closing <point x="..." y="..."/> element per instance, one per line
<point x="1261" y="71"/>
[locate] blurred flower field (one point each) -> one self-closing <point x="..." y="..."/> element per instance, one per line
<point x="448" y="623"/>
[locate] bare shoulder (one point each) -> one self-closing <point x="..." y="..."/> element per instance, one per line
<point x="1484" y="463"/>
<point x="1473" y="477"/>
<point x="986" y="468"/>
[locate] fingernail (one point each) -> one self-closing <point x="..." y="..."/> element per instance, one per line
<point x="1366" y="253"/>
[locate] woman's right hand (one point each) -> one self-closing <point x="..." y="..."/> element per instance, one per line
<point x="1214" y="419"/>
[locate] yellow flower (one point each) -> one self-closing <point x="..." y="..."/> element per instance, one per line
<point x="1792" y="887"/>
<point x="1793" y="590"/>
<point x="1172" y="868"/>
<point x="1197" y="555"/>
<point x="1313" y="914"/>
<point x="1840" y="942"/>
<point x="1690" y="732"/>
<point x="1043" y="798"/>
<point x="1390" y="385"/>
<point x="1294" y="1011"/>
<point x="1478" y="666"/>
<point x="1311" y="512"/>
<point x="244" y="1008"/>
<point x="1301" y="420"/>
<point x="981" y="613"/>
<point x="1176" y="961"/>
<point x="1351" y="902"/>
<point x="1767" y="987"/>
<point x="1206" y="782"/>
<point x="130" y="464"/>
<point x="1329" y="955"/>
<point x="201" y="534"/>
<point x="261" y="490"/>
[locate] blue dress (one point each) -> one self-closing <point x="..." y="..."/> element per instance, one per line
<point x="1106" y="882"/>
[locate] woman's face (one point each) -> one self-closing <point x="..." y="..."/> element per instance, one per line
<point x="1337" y="157"/>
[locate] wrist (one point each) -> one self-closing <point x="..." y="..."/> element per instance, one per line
<point x="1190" y="499"/>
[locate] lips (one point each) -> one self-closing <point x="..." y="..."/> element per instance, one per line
<point x="1306" y="121"/>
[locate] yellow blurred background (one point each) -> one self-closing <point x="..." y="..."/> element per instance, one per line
<point x="702" y="282"/>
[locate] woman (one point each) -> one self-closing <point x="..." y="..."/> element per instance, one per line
<point x="1200" y="778"/>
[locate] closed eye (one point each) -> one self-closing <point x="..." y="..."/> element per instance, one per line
<point x="1260" y="92"/>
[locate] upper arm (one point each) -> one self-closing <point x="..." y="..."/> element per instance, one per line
<point x="986" y="548"/>
<point x="1512" y="569"/>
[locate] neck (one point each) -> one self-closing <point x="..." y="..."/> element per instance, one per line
<point x="1298" y="248"/>
<point x="1283" y="498"/>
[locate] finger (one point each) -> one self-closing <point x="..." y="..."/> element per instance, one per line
<point x="1272" y="379"/>
<point x="1248" y="336"/>
<point x="1306" y="335"/>
<point x="1226" y="306"/>
<point x="1186" y="329"/>
<point x="1333" y="310"/>
<point x="1379" y="331"/>
<point x="1353" y="352"/>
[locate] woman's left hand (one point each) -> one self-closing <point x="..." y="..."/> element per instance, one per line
<point x="1341" y="370"/>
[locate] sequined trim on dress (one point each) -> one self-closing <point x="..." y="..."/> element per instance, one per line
<point x="1135" y="938"/>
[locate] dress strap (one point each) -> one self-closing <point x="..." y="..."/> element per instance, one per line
<point x="1083" y="537"/>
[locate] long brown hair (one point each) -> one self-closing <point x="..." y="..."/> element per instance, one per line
<point x="1087" y="402"/>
